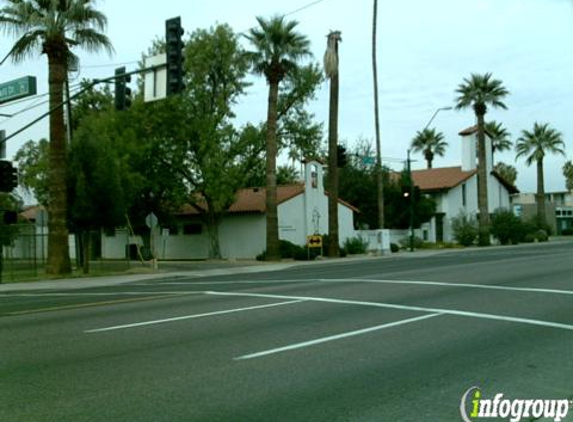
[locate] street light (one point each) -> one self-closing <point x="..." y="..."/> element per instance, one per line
<point x="435" y="114"/>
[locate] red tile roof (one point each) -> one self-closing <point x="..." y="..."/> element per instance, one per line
<point x="31" y="213"/>
<point x="440" y="178"/>
<point x="254" y="200"/>
<point x="471" y="130"/>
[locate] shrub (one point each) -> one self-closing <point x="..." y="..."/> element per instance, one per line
<point x="506" y="227"/>
<point x="465" y="229"/>
<point x="394" y="248"/>
<point x="541" y="236"/>
<point x="355" y="245"/>
<point x="289" y="250"/>
<point x="405" y="242"/>
<point x="529" y="238"/>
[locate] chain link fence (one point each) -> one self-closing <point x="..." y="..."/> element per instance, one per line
<point x="25" y="253"/>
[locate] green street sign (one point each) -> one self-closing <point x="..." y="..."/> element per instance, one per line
<point x="368" y="161"/>
<point x="18" y="88"/>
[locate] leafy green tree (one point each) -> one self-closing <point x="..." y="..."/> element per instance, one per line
<point x="193" y="132"/>
<point x="508" y="172"/>
<point x="431" y="143"/>
<point x="94" y="100"/>
<point x="8" y="202"/>
<point x="357" y="182"/>
<point x="33" y="166"/>
<point x="287" y="175"/>
<point x="568" y="173"/>
<point x="277" y="52"/>
<point x="54" y="28"/>
<point x="534" y="146"/>
<point x="479" y="92"/>
<point x="96" y="194"/>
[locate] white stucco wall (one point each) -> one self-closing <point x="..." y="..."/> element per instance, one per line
<point x="243" y="236"/>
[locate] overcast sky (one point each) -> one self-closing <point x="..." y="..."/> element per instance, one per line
<point x="425" y="50"/>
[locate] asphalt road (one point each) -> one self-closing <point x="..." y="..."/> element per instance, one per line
<point x="398" y="339"/>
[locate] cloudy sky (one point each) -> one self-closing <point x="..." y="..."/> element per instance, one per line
<point x="425" y="50"/>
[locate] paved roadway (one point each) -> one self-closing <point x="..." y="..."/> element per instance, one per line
<point x="397" y="339"/>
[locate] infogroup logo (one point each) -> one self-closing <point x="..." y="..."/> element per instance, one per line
<point x="474" y="406"/>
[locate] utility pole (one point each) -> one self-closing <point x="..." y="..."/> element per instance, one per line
<point x="332" y="72"/>
<point x="411" y="192"/>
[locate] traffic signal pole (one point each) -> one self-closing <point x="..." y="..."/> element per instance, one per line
<point x="411" y="188"/>
<point x="81" y="92"/>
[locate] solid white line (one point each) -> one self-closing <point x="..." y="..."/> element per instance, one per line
<point x="181" y="318"/>
<point x="444" y="284"/>
<point x="150" y="292"/>
<point x="333" y="338"/>
<point x="374" y="281"/>
<point x="406" y="308"/>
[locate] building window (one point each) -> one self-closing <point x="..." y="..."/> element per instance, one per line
<point x="464" y="195"/>
<point x="173" y="230"/>
<point x="314" y="176"/>
<point x="192" y="229"/>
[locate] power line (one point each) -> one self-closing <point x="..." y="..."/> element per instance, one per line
<point x="300" y="9"/>
<point x="292" y="12"/>
<point x="99" y="66"/>
<point x="36" y="104"/>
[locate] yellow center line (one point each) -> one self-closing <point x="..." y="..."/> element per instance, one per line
<point x="93" y="304"/>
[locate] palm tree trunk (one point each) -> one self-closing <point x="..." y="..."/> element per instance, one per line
<point x="541" y="194"/>
<point x="58" y="248"/>
<point x="333" y="238"/>
<point x="429" y="158"/>
<point x="273" y="252"/>
<point x="482" y="184"/>
<point x="379" y="178"/>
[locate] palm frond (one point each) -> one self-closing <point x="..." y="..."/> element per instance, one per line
<point x="535" y="144"/>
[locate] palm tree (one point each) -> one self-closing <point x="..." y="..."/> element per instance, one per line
<point x="534" y="146"/>
<point x="278" y="50"/>
<point x="431" y="143"/>
<point x="479" y="92"/>
<point x="500" y="137"/>
<point x="379" y="177"/>
<point x="568" y="173"/>
<point x="53" y="28"/>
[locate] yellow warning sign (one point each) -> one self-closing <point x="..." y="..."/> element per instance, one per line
<point x="314" y="241"/>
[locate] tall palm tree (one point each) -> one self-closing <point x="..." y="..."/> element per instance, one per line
<point x="534" y="146"/>
<point x="278" y="50"/>
<point x="54" y="28"/>
<point x="479" y="92"/>
<point x="500" y="137"/>
<point x="379" y="177"/>
<point x="431" y="143"/>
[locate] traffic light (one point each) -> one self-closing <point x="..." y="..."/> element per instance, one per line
<point x="122" y="91"/>
<point x="340" y="156"/>
<point x="174" y="52"/>
<point x="409" y="192"/>
<point x="8" y="176"/>
<point x="406" y="192"/>
<point x="10" y="217"/>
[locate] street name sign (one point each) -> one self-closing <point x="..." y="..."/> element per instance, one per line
<point x="18" y="88"/>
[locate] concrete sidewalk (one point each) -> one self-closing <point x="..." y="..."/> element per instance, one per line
<point x="171" y="270"/>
